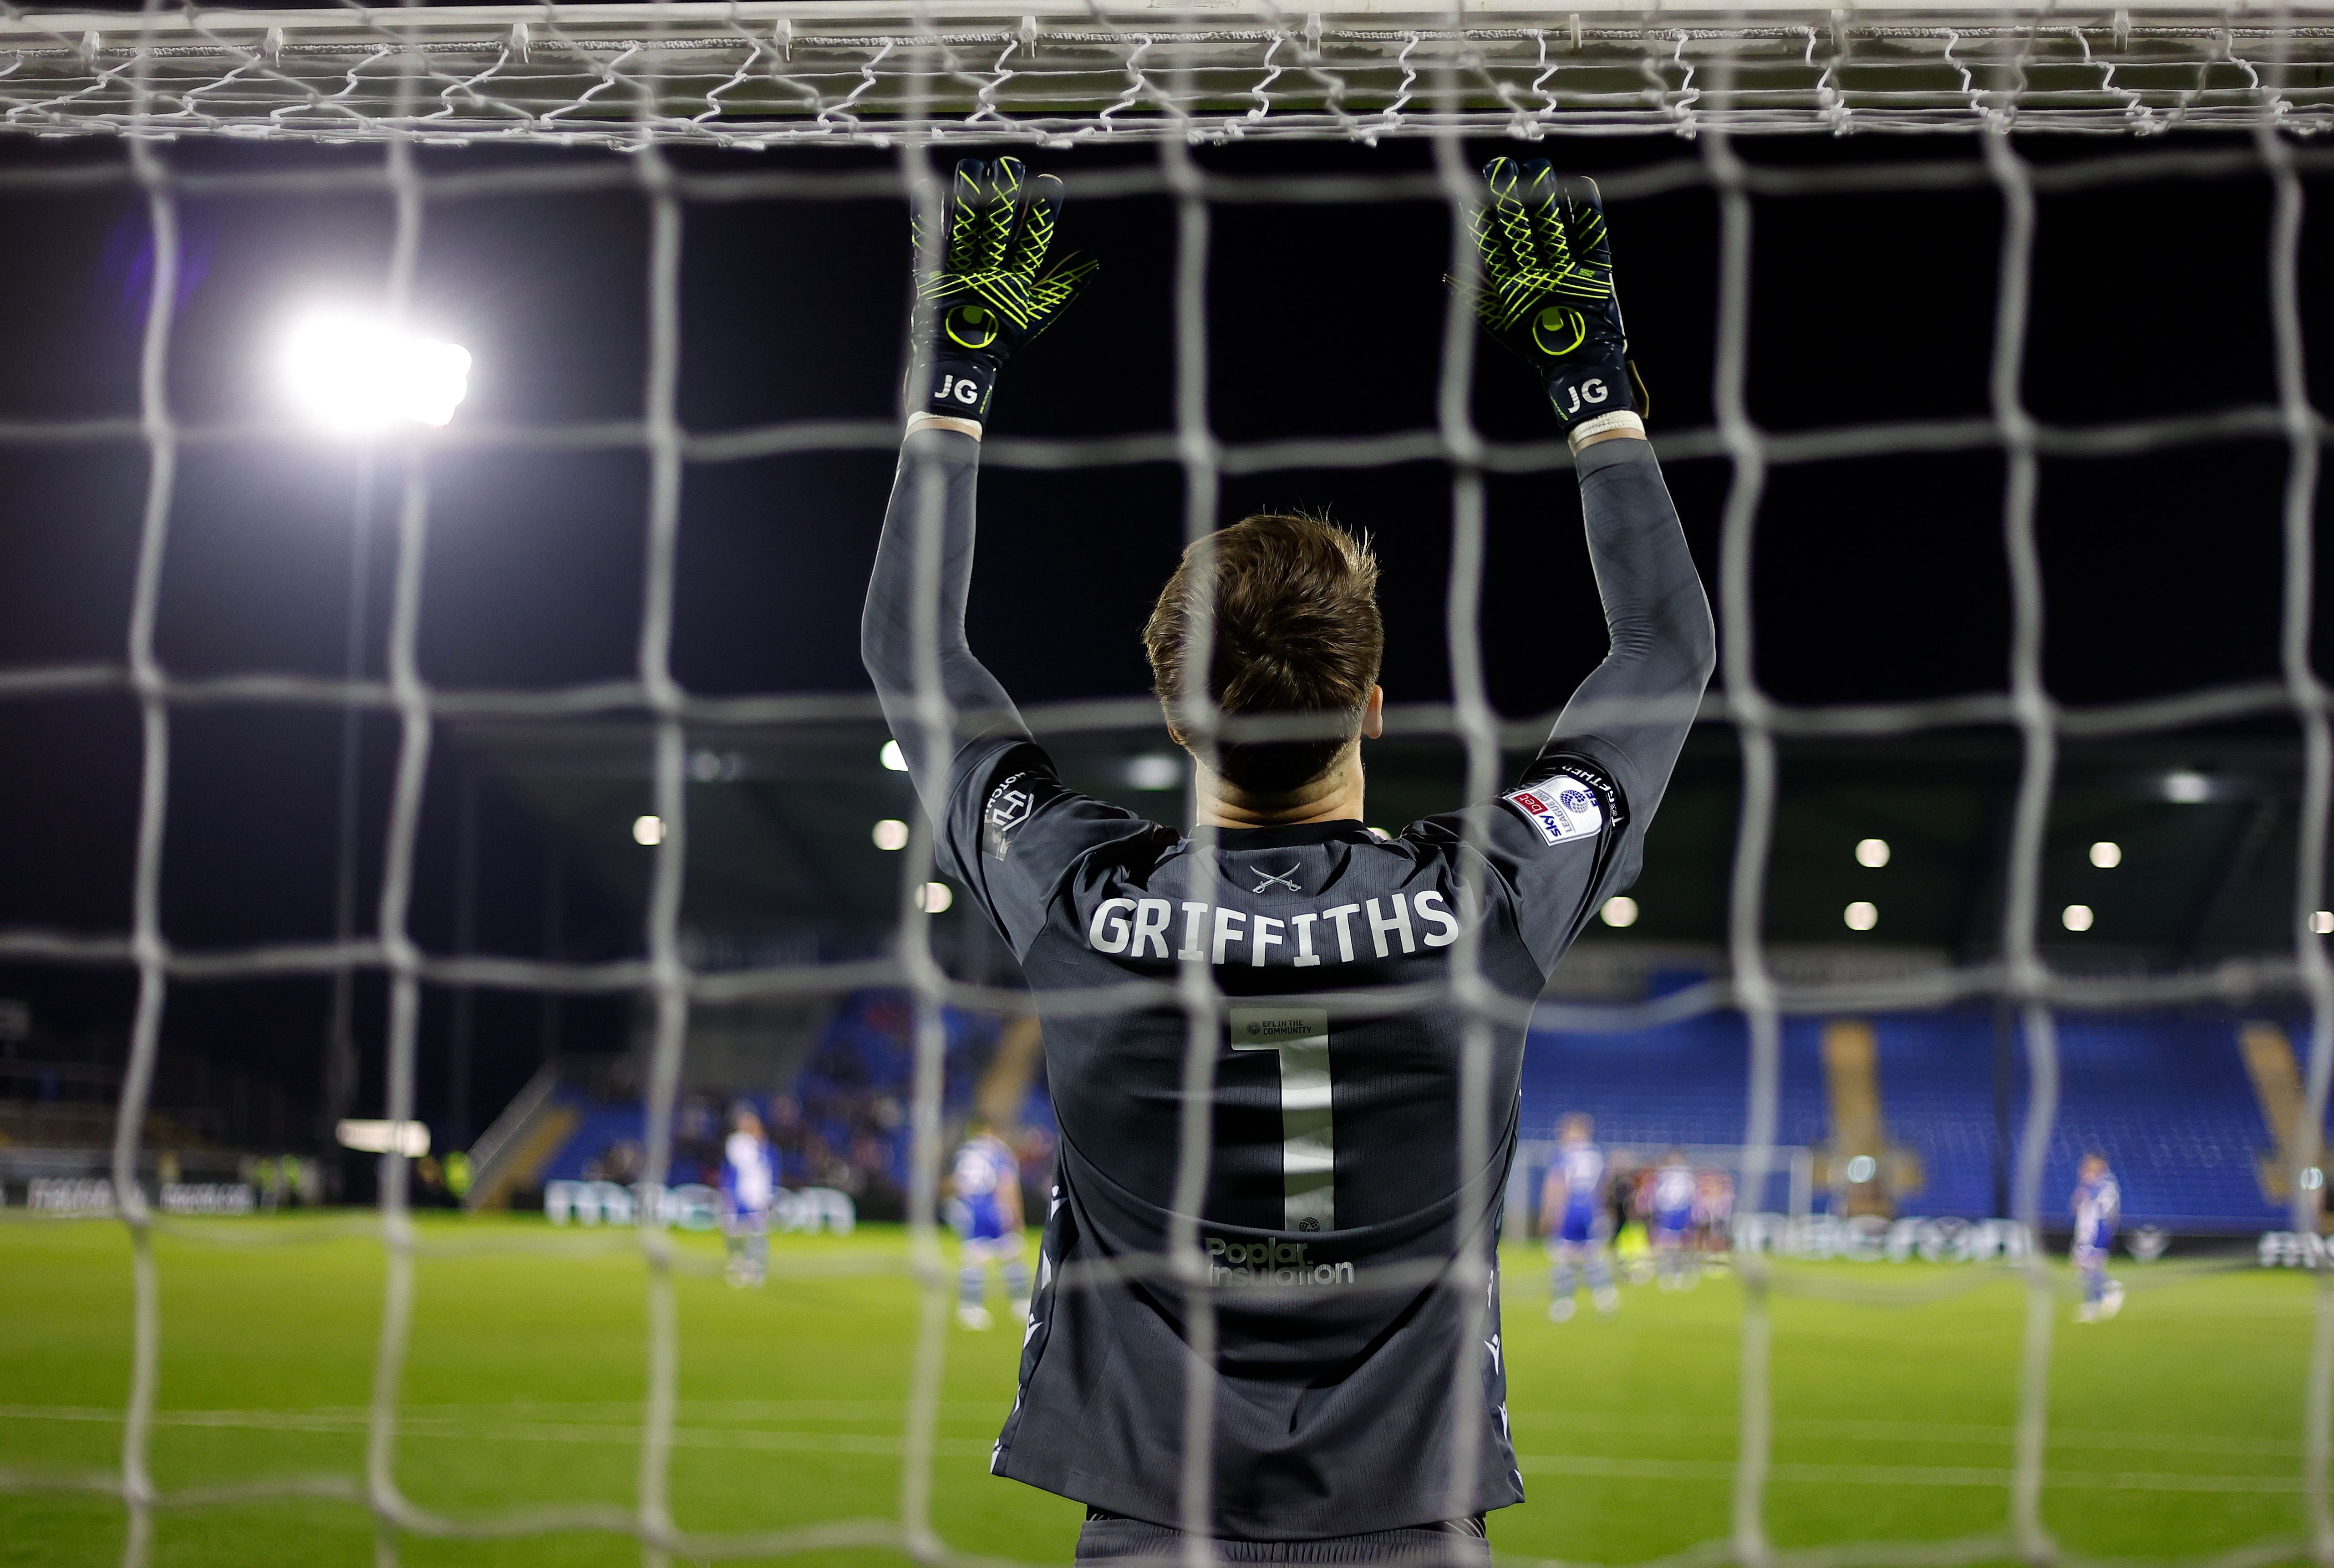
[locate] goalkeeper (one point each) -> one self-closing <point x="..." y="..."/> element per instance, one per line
<point x="1336" y="1212"/>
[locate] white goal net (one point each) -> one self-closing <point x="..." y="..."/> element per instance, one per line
<point x="150" y="103"/>
<point x="1055" y="71"/>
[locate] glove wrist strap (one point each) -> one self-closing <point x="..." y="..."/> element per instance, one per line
<point x="926" y="421"/>
<point x="958" y="386"/>
<point x="1618" y="420"/>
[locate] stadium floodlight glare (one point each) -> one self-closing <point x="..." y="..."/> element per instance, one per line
<point x="892" y="757"/>
<point x="2106" y="854"/>
<point x="355" y="374"/>
<point x="647" y="831"/>
<point x="2187" y="788"/>
<point x="1619" y="911"/>
<point x="891" y="834"/>
<point x="1862" y="1169"/>
<point x="1861" y="916"/>
<point x="1872" y="852"/>
<point x="1153" y="770"/>
<point x="410" y="1138"/>
<point x="2076" y="918"/>
<point x="934" y="898"/>
<point x="2321" y="921"/>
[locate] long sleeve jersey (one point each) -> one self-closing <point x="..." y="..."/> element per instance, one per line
<point x="1336" y="1209"/>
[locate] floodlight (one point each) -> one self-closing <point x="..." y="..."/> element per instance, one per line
<point x="410" y="1138"/>
<point x="1872" y="852"/>
<point x="355" y="374"/>
<point x="2076" y="918"/>
<point x="1620" y="912"/>
<point x="891" y="834"/>
<point x="934" y="898"/>
<point x="1861" y="916"/>
<point x="2106" y="854"/>
<point x="1862" y="1169"/>
<point x="2187" y="788"/>
<point x="892" y="758"/>
<point x="710" y="766"/>
<point x="2322" y="921"/>
<point x="1153" y="770"/>
<point x="647" y="831"/>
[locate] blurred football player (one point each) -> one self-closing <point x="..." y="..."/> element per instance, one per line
<point x="1714" y="1209"/>
<point x="2098" y="1204"/>
<point x="985" y="1207"/>
<point x="749" y="1190"/>
<point x="1673" y="1226"/>
<point x="1572" y="1210"/>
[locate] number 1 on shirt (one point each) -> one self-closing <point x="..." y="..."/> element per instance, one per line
<point x="1308" y="1147"/>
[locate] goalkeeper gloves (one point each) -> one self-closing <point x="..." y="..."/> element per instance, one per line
<point x="1546" y="291"/>
<point x="980" y="293"/>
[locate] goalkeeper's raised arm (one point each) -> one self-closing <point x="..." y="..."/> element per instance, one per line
<point x="982" y="290"/>
<point x="1547" y="294"/>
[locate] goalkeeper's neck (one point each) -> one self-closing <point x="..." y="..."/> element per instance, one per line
<point x="1334" y="797"/>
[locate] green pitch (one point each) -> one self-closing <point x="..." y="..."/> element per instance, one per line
<point x="2177" y="1430"/>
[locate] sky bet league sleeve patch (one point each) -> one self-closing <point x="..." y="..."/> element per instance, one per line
<point x="1564" y="806"/>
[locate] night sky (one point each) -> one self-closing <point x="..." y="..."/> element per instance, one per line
<point x="1879" y="578"/>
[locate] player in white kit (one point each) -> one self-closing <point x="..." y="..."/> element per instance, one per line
<point x="985" y="1207"/>
<point x="750" y="1189"/>
<point x="2098" y="1205"/>
<point x="1672" y="1228"/>
<point x="1572" y="1211"/>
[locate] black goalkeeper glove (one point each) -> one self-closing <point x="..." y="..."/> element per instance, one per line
<point x="983" y="297"/>
<point x="1547" y="289"/>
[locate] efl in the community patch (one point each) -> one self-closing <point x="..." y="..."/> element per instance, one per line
<point x="1559" y="807"/>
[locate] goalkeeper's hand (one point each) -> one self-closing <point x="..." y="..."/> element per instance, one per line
<point x="980" y="293"/>
<point x="1547" y="289"/>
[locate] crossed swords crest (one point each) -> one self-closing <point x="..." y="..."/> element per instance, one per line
<point x="1276" y="879"/>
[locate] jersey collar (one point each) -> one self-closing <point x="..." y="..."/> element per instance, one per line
<point x="1345" y="830"/>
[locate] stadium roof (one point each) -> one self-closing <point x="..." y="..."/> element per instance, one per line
<point x="782" y="862"/>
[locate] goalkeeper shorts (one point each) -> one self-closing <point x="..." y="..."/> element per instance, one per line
<point x="1110" y="1538"/>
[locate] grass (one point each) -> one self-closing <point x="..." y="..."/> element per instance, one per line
<point x="2176" y="1431"/>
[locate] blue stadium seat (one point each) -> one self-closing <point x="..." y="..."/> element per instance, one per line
<point x="2164" y="1096"/>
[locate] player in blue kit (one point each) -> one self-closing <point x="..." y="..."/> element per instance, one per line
<point x="749" y="1190"/>
<point x="1572" y="1206"/>
<point x="1675" y="1189"/>
<point x="2098" y="1203"/>
<point x="985" y="1207"/>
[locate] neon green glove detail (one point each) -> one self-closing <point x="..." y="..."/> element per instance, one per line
<point x="986" y="293"/>
<point x="1547" y="292"/>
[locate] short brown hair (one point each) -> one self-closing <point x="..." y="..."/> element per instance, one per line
<point x="1296" y="631"/>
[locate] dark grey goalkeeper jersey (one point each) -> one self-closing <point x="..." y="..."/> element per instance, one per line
<point x="1333" y="1173"/>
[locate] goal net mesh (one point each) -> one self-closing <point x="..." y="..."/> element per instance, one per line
<point x="136" y="91"/>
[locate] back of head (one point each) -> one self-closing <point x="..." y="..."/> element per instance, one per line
<point x="1291" y="605"/>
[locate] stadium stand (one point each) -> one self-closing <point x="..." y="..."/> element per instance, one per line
<point x="2165" y="1097"/>
<point x="1680" y="1083"/>
<point x="2167" y="1100"/>
<point x="841" y="1122"/>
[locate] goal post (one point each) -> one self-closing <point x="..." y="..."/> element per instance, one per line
<point x="776" y="73"/>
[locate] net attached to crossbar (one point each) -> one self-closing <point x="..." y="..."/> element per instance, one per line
<point x="757" y="75"/>
<point x="643" y="78"/>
